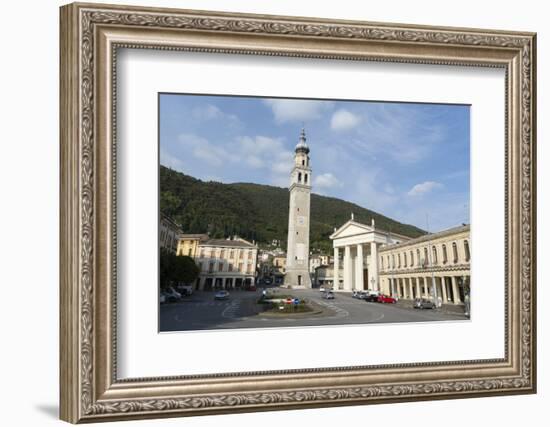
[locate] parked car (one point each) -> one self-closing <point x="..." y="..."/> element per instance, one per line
<point x="358" y="294"/>
<point x="423" y="303"/>
<point x="251" y="288"/>
<point x="386" y="299"/>
<point x="371" y="296"/>
<point x="184" y="289"/>
<point x="221" y="295"/>
<point x="328" y="295"/>
<point x="171" y="294"/>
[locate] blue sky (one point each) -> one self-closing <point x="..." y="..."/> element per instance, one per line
<point x="403" y="160"/>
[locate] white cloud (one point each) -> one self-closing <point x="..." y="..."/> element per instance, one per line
<point x="423" y="188"/>
<point x="206" y="112"/>
<point x="283" y="163"/>
<point x="325" y="181"/>
<point x="399" y="132"/>
<point x="280" y="180"/>
<point x="254" y="161"/>
<point x="343" y="120"/>
<point x="254" y="152"/>
<point x="265" y="152"/>
<point x="210" y="112"/>
<point x="297" y="110"/>
<point x="367" y="190"/>
<point x="204" y="150"/>
<point x="166" y="159"/>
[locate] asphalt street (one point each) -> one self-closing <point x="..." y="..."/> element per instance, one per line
<point x="201" y="312"/>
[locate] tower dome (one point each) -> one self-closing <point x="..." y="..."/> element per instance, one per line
<point x="302" y="146"/>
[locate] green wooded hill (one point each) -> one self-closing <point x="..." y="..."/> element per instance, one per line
<point x="257" y="212"/>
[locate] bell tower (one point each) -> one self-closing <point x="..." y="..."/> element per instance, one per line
<point x="297" y="254"/>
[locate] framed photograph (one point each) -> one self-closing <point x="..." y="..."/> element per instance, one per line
<point x="267" y="213"/>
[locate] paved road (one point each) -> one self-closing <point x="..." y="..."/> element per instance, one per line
<point x="201" y="311"/>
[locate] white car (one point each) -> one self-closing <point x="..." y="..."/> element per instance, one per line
<point x="171" y="294"/>
<point x="328" y="295"/>
<point x="221" y="295"/>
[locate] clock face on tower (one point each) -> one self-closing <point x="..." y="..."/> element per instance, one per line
<point x="301" y="220"/>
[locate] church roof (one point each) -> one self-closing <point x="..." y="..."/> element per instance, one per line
<point x="364" y="228"/>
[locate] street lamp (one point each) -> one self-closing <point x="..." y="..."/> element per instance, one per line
<point x="430" y="250"/>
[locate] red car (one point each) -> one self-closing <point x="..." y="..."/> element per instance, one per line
<point x="385" y="299"/>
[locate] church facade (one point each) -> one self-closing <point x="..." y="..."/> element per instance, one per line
<point x="356" y="248"/>
<point x="297" y="256"/>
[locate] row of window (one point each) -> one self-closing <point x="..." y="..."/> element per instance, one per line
<point x="231" y="253"/>
<point x="248" y="269"/>
<point x="168" y="239"/>
<point x="407" y="258"/>
<point x="300" y="178"/>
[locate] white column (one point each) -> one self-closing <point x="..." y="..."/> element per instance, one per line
<point x="347" y="269"/>
<point x="456" y="294"/>
<point x="336" y="280"/>
<point x="373" y="268"/>
<point x="417" y="284"/>
<point x="410" y="288"/>
<point x="359" y="285"/>
<point x="443" y="289"/>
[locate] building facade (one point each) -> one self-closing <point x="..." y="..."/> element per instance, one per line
<point x="297" y="261"/>
<point x="169" y="233"/>
<point x="316" y="261"/>
<point x="226" y="264"/>
<point x="188" y="244"/>
<point x="324" y="276"/>
<point x="435" y="266"/>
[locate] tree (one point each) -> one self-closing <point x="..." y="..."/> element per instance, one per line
<point x="176" y="269"/>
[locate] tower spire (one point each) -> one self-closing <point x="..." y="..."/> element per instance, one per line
<point x="302" y="145"/>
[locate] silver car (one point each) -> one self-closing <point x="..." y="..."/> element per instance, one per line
<point x="423" y="303"/>
<point x="328" y="295"/>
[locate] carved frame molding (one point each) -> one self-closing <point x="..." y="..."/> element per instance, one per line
<point x="90" y="36"/>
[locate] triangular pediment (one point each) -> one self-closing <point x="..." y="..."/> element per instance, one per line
<point x="351" y="228"/>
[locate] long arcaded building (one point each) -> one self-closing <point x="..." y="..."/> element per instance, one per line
<point x="437" y="263"/>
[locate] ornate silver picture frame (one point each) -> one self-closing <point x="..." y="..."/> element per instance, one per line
<point x="91" y="389"/>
